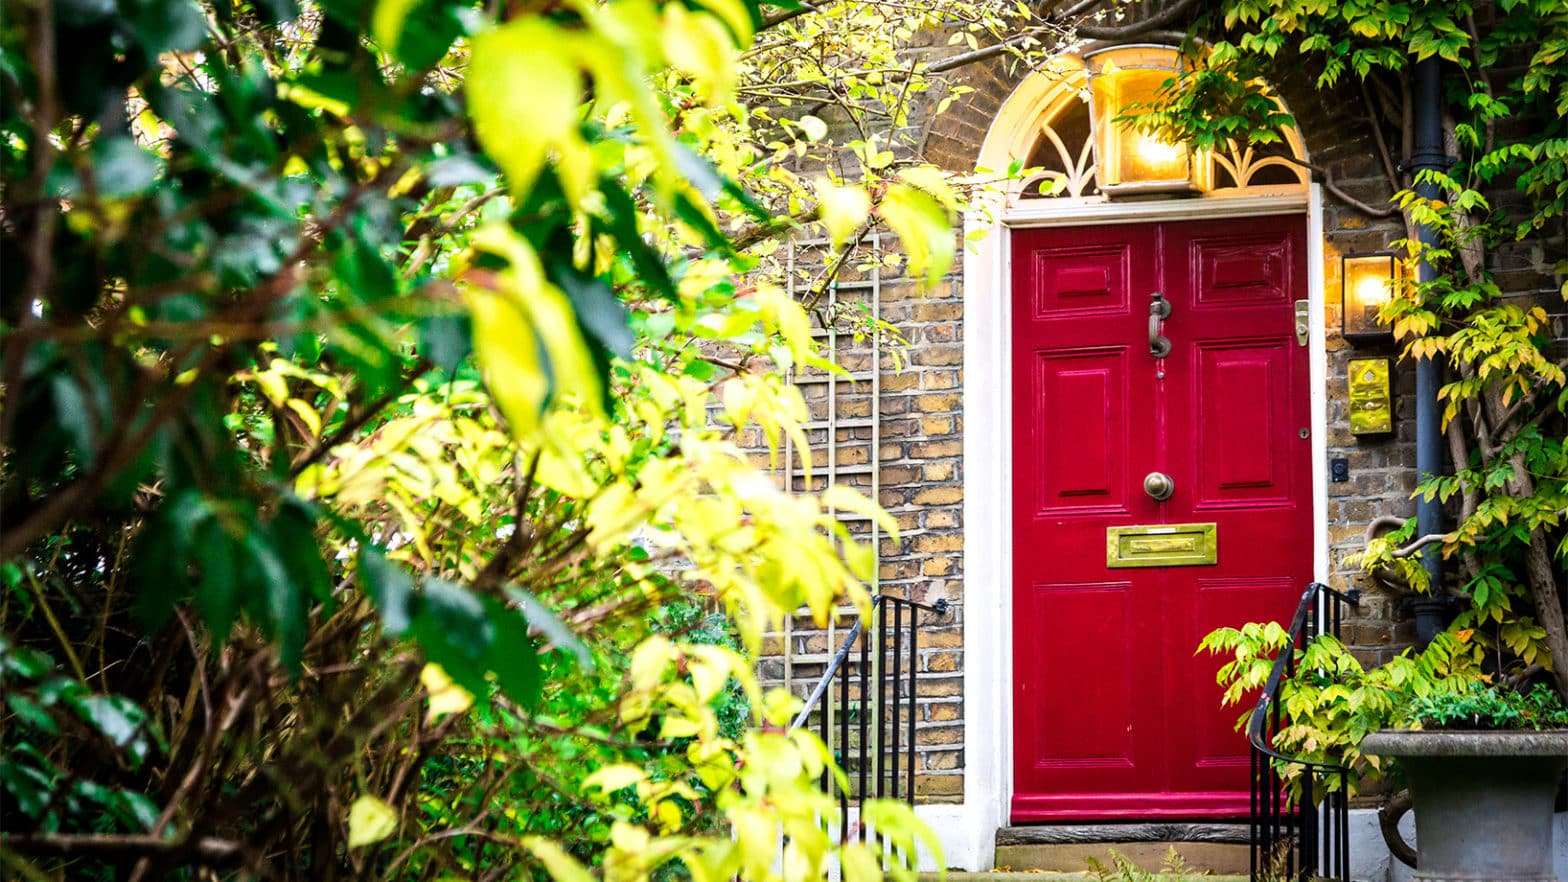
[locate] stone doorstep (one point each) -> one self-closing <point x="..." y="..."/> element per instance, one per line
<point x="1047" y="876"/>
<point x="1201" y="858"/>
<point x="1067" y="848"/>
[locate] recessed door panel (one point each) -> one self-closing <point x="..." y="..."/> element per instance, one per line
<point x="1086" y="620"/>
<point x="1077" y="279"/>
<point x="1240" y="405"/>
<point x="1245" y="269"/>
<point x="1083" y="466"/>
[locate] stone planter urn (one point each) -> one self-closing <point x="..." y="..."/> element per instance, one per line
<point x="1483" y="800"/>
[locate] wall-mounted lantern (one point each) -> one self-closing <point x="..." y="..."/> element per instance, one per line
<point x="1366" y="283"/>
<point x="1128" y="160"/>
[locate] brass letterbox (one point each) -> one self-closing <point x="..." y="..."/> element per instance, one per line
<point x="1161" y="545"/>
<point x="1371" y="401"/>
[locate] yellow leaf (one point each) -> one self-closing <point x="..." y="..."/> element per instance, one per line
<point x="627" y="34"/>
<point x="736" y="15"/>
<point x="789" y="317"/>
<point x="561" y="866"/>
<point x="614" y="777"/>
<point x="934" y="181"/>
<point x="370" y="820"/>
<point x="386" y="23"/>
<point x="446" y="697"/>
<point x="309" y="417"/>
<point x="860" y="865"/>
<point x="842" y="210"/>
<point x="922" y="226"/>
<point x="710" y="669"/>
<point x="524" y="89"/>
<point x="679" y="727"/>
<point x="512" y="317"/>
<point x="814" y="127"/>
<point x="843" y="498"/>
<point x="313" y="100"/>
<point x="649" y="661"/>
<point x="699" y="45"/>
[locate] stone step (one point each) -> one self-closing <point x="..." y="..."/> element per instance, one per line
<point x="1214" y="849"/>
<point x="1047" y="876"/>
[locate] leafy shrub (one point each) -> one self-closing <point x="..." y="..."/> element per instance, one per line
<point x="1486" y="707"/>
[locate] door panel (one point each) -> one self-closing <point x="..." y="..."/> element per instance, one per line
<point x="1240" y="402"/>
<point x="1114" y="714"/>
<point x="1085" y="463"/>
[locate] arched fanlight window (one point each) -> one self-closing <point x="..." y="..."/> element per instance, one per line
<point x="1068" y="136"/>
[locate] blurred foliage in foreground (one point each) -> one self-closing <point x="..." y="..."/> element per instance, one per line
<point x="373" y="375"/>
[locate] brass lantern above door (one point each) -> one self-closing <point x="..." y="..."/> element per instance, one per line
<point x="1130" y="161"/>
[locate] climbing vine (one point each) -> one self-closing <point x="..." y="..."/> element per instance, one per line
<point x="1504" y="396"/>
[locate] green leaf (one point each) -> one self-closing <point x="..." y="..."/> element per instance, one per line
<point x="217" y="595"/>
<point x="118" y="718"/>
<point x="282" y="602"/>
<point x="390" y="586"/>
<point x="445" y="340"/>
<point x="159" y="567"/>
<point x="451" y="625"/>
<point x="600" y="313"/>
<point x="554" y="630"/>
<point x="30" y="714"/>
<point x="454" y="171"/>
<point x="168" y="27"/>
<point x="512" y="654"/>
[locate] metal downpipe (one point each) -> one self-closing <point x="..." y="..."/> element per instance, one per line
<point x="1427" y="118"/>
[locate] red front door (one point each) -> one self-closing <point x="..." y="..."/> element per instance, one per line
<point x="1114" y="716"/>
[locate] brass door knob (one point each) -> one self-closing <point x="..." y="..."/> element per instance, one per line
<point x="1159" y="486"/>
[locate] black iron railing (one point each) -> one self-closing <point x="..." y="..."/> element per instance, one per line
<point x="1293" y="835"/>
<point x="870" y="729"/>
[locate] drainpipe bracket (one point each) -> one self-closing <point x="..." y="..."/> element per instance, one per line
<point x="1419" y="161"/>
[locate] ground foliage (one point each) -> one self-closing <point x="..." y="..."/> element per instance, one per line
<point x="373" y="380"/>
<point x="1504" y="396"/>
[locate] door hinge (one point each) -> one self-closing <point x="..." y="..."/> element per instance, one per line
<point x="1303" y="321"/>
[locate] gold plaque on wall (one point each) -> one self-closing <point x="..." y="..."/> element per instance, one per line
<point x="1371" y="402"/>
<point x="1161" y="545"/>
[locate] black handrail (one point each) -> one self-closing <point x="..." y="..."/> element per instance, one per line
<point x="894" y="757"/>
<point x="1289" y="838"/>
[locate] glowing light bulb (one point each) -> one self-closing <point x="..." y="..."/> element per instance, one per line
<point x="1157" y="152"/>
<point x="1372" y="291"/>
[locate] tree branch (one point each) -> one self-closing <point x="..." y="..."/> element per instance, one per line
<point x="779" y="18"/>
<point x="209" y="849"/>
<point x="1388" y="822"/>
<point x="1160" y="19"/>
<point x="1328" y="184"/>
<point x="1418" y="544"/>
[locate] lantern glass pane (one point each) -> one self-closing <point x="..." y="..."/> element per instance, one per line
<point x="1135" y="156"/>
<point x="1368" y="281"/>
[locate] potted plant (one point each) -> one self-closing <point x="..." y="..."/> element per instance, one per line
<point x="1483" y="765"/>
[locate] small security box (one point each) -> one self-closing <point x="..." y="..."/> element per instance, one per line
<point x="1371" y="398"/>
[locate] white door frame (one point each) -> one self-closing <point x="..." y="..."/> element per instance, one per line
<point x="968" y="830"/>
